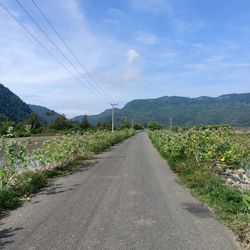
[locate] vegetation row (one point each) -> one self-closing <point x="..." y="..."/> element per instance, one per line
<point x="197" y="156"/>
<point x="24" y="171"/>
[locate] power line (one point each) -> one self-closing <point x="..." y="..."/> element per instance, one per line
<point x="44" y="47"/>
<point x="69" y="49"/>
<point x="60" y="51"/>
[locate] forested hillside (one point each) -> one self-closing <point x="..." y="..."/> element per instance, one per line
<point x="45" y="114"/>
<point x="12" y="106"/>
<point x="232" y="109"/>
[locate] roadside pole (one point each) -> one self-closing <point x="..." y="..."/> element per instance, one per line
<point x="113" y="115"/>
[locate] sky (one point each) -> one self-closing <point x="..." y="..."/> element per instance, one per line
<point x="133" y="49"/>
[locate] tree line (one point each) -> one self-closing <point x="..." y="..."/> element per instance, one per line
<point x="36" y="126"/>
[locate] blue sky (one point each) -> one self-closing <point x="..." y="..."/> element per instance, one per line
<point x="133" y="48"/>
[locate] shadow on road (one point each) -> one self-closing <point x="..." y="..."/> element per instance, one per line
<point x="84" y="167"/>
<point x="55" y="189"/>
<point x="197" y="210"/>
<point x="6" y="234"/>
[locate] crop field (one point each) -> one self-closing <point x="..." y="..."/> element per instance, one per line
<point x="27" y="163"/>
<point x="35" y="141"/>
<point x="206" y="146"/>
<point x="202" y="158"/>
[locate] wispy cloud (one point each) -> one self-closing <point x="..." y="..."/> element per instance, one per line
<point x="132" y="56"/>
<point x="169" y="55"/>
<point x="25" y="66"/>
<point x="152" y="6"/>
<point x="113" y="16"/>
<point x="129" y="73"/>
<point x="147" y="38"/>
<point x="133" y="48"/>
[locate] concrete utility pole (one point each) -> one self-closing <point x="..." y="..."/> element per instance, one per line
<point x="113" y="115"/>
<point x="171" y="122"/>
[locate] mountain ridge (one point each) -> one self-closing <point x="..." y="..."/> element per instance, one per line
<point x="12" y="106"/>
<point x="232" y="109"/>
<point x="45" y="114"/>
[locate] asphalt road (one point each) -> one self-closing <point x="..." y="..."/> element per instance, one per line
<point x="127" y="198"/>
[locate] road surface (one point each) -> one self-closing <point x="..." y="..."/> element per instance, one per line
<point x="127" y="198"/>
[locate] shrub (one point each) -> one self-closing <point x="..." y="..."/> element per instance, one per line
<point x="8" y="198"/>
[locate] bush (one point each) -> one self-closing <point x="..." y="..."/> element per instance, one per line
<point x="54" y="158"/>
<point x="30" y="182"/>
<point x="194" y="154"/>
<point x="154" y="126"/>
<point x="8" y="198"/>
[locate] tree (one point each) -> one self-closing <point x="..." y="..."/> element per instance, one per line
<point x="60" y="123"/>
<point x="99" y="125"/>
<point x="137" y="126"/>
<point x="154" y="126"/>
<point x="105" y="124"/>
<point x="35" y="123"/>
<point x="4" y="118"/>
<point x="85" y="123"/>
<point x="125" y="124"/>
<point x="4" y="127"/>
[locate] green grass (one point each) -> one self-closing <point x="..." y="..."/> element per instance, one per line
<point x="227" y="203"/>
<point x="231" y="206"/>
<point x="32" y="181"/>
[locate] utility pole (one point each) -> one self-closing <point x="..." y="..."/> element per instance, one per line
<point x="113" y="115"/>
<point x="171" y="122"/>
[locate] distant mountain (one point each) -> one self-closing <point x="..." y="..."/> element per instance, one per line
<point x="93" y="119"/>
<point x="12" y="106"/>
<point x="45" y="114"/>
<point x="232" y="109"/>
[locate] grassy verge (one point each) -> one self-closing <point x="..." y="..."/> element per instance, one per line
<point x="231" y="206"/>
<point x="31" y="181"/>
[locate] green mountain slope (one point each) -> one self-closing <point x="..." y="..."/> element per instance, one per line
<point x="45" y="114"/>
<point x="232" y="109"/>
<point x="12" y="106"/>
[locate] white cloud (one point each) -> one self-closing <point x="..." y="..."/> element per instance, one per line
<point x="27" y="69"/>
<point x="132" y="56"/>
<point x="169" y="55"/>
<point x="124" y="77"/>
<point x="182" y="27"/>
<point x="113" y="16"/>
<point x="128" y="73"/>
<point x="147" y="38"/>
<point x="151" y="6"/>
<point x="132" y="71"/>
<point x="120" y="61"/>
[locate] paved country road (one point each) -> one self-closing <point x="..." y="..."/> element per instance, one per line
<point x="127" y="198"/>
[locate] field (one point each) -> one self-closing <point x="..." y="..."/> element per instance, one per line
<point x="35" y="141"/>
<point x="202" y="157"/>
<point x="28" y="163"/>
